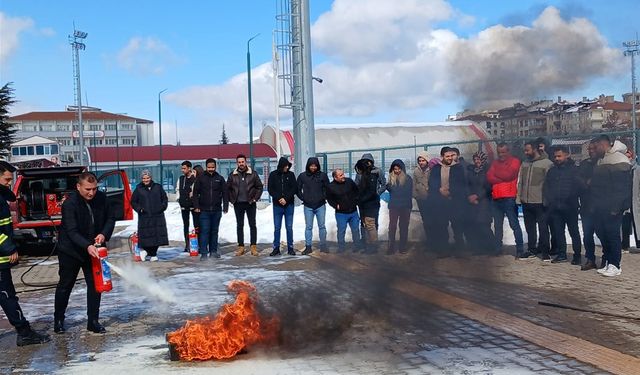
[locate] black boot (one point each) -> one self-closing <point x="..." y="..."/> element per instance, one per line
<point x="58" y="326"/>
<point x="276" y="251"/>
<point x="307" y="250"/>
<point x="27" y="336"/>
<point x="391" y="249"/>
<point x="577" y="260"/>
<point x="95" y="327"/>
<point x="290" y="251"/>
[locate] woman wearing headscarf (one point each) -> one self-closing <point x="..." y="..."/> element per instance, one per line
<point x="478" y="226"/>
<point x="150" y="201"/>
<point x="400" y="187"/>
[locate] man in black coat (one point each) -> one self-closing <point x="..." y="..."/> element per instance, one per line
<point x="448" y="197"/>
<point x="368" y="204"/>
<point x="312" y="187"/>
<point x="282" y="186"/>
<point x="185" y="190"/>
<point x="245" y="189"/>
<point x="150" y="201"/>
<point x="9" y="258"/>
<point x="585" y="170"/>
<point x="87" y="221"/>
<point x="210" y="200"/>
<point x="562" y="186"/>
<point x="342" y="195"/>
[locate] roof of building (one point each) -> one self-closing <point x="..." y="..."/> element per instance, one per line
<point x="34" y="140"/>
<point x="171" y="152"/>
<point x="72" y="115"/>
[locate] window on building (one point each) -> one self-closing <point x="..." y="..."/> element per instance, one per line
<point x="39" y="150"/>
<point x="46" y="128"/>
<point x="15" y="151"/>
<point x="30" y="150"/>
<point x="95" y="127"/>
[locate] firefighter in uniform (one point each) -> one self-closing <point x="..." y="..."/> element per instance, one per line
<point x="87" y="221"/>
<point x="8" y="258"/>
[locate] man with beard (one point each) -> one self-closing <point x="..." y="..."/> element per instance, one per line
<point x="245" y="189"/>
<point x="448" y="193"/>
<point x="312" y="190"/>
<point x="585" y="170"/>
<point x="342" y="195"/>
<point x="87" y="222"/>
<point x="210" y="201"/>
<point x="561" y="189"/>
<point x="532" y="174"/>
<point x="282" y="186"/>
<point x="184" y="190"/>
<point x="9" y="258"/>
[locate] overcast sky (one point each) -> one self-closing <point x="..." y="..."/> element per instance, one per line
<point x="380" y="60"/>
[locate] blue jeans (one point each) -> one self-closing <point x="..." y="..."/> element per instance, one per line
<point x="608" y="230"/>
<point x="508" y="207"/>
<point x="588" y="230"/>
<point x="353" y="220"/>
<point x="319" y="214"/>
<point x="209" y="224"/>
<point x="278" y="213"/>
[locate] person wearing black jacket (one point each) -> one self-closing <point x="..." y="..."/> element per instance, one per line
<point x="87" y="221"/>
<point x="210" y="200"/>
<point x="185" y="190"/>
<point x="368" y="204"/>
<point x="342" y="195"/>
<point x="282" y="186"/>
<point x="312" y="187"/>
<point x="400" y="187"/>
<point x="448" y="198"/>
<point x="245" y="189"/>
<point x="150" y="201"/>
<point x="478" y="223"/>
<point x="585" y="170"/>
<point x="561" y="189"/>
<point x="9" y="258"/>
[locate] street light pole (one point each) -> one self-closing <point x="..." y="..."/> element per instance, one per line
<point x="249" y="95"/>
<point x="632" y="50"/>
<point x="160" y="134"/>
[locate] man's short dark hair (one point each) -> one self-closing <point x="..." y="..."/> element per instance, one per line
<point x="187" y="163"/>
<point x="444" y="150"/>
<point x="6" y="167"/>
<point x="562" y="148"/>
<point x="534" y="144"/>
<point x="602" y="138"/>
<point x="241" y="156"/>
<point x="503" y="144"/>
<point x="211" y="160"/>
<point x="88" y="177"/>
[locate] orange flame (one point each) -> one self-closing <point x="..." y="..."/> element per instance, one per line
<point x="234" y="328"/>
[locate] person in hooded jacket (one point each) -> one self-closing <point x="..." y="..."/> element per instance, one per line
<point x="421" y="189"/>
<point x="210" y="201"/>
<point x="342" y="195"/>
<point x="312" y="189"/>
<point x="400" y="187"/>
<point x="282" y="186"/>
<point x="368" y="205"/>
<point x="184" y="192"/>
<point x="150" y="201"/>
<point x="381" y="181"/>
<point x="478" y="223"/>
<point x="9" y="258"/>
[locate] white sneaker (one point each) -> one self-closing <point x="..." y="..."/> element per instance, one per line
<point x="153" y="259"/>
<point x="612" y="271"/>
<point x="603" y="270"/>
<point x="143" y="255"/>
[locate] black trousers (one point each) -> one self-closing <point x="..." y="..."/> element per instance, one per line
<point x="68" y="272"/>
<point x="152" y="251"/>
<point x="185" y="224"/>
<point x="240" y="208"/>
<point x="535" y="216"/>
<point x="9" y="301"/>
<point x="568" y="217"/>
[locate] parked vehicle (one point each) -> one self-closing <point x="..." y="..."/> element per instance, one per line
<point x="40" y="192"/>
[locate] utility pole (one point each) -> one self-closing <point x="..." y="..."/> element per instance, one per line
<point x="76" y="46"/>
<point x="160" y="134"/>
<point x="631" y="49"/>
<point x="252" y="161"/>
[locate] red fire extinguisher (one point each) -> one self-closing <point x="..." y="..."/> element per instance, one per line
<point x="193" y="244"/>
<point x="101" y="271"/>
<point x="135" y="249"/>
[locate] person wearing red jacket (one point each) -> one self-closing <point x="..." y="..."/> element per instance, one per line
<point x="503" y="177"/>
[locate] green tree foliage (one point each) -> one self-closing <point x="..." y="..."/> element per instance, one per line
<point x="224" y="140"/>
<point x="7" y="130"/>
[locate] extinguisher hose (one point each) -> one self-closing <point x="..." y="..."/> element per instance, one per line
<point x="41" y="286"/>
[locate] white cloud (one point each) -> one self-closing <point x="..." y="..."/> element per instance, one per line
<point x="383" y="57"/>
<point x="10" y="29"/>
<point x="146" y="56"/>
<point x="47" y="31"/>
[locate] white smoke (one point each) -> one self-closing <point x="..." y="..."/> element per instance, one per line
<point x="140" y="279"/>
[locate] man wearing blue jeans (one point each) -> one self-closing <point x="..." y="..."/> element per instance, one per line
<point x="312" y="187"/>
<point x="503" y="177"/>
<point x="342" y="195"/>
<point x="282" y="186"/>
<point x="210" y="200"/>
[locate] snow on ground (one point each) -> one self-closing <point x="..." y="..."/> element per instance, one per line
<point x="264" y="220"/>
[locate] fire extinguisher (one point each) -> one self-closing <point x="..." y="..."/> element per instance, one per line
<point x="101" y="271"/>
<point x="135" y="248"/>
<point x="193" y="244"/>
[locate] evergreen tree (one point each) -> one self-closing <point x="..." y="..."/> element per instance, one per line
<point x="7" y="131"/>
<point x="224" y="140"/>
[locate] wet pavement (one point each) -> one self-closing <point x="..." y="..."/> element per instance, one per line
<point x="333" y="321"/>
